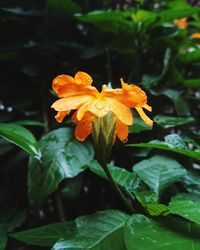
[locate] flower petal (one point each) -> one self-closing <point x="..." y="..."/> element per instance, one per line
<point x="60" y="81"/>
<point x="181" y="23"/>
<point x="84" y="127"/>
<point x="196" y="35"/>
<point x="121" y="130"/>
<point x="123" y="113"/>
<point x="74" y="102"/>
<point x="129" y="95"/>
<point x="75" y="89"/>
<point x="83" y="78"/>
<point x="144" y="117"/>
<point x="147" y="107"/>
<point x="61" y="115"/>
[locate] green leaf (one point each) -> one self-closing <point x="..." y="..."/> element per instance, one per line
<point x="186" y="196"/>
<point x="188" y="209"/>
<point x="177" y="4"/>
<point x="143" y="233"/>
<point x="157" y="209"/>
<point x="172" y="14"/>
<point x="149" y="200"/>
<point x="170" y="121"/>
<point x="172" y="142"/>
<point x="146" y="197"/>
<point x="177" y="99"/>
<point x="29" y="123"/>
<point x="192" y="83"/>
<point x="22" y="137"/>
<point x="102" y="230"/>
<point x="144" y="18"/>
<point x="159" y="172"/>
<point x="166" y="62"/>
<point x="189" y="56"/>
<point x="191" y="182"/>
<point x="62" y="157"/>
<point x="22" y="11"/>
<point x="109" y="21"/>
<point x="121" y="176"/>
<point x="3" y="236"/>
<point x="45" y="235"/>
<point x="138" y="126"/>
<point x="63" y="6"/>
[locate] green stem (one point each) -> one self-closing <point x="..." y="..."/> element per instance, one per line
<point x="117" y="189"/>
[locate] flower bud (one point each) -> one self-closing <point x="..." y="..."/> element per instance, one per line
<point x="103" y="134"/>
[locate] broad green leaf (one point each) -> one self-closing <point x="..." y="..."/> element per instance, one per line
<point x="172" y="143"/>
<point x="149" y="200"/>
<point x="144" y="18"/>
<point x="157" y="209"/>
<point x="172" y="14"/>
<point x="138" y="126"/>
<point x="45" y="235"/>
<point x="188" y="209"/>
<point x="159" y="172"/>
<point x="143" y="233"/>
<point x="186" y="197"/>
<point x="109" y="21"/>
<point x="192" y="83"/>
<point x="122" y="177"/>
<point x="170" y="121"/>
<point x="62" y="157"/>
<point x="3" y="236"/>
<point x="63" y="6"/>
<point x="191" y="182"/>
<point x="103" y="230"/>
<point x="20" y="136"/>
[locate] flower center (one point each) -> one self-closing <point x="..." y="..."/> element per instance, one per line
<point x="99" y="105"/>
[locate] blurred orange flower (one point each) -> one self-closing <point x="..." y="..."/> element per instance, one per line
<point x="196" y="35"/>
<point x="181" y="23"/>
<point x="78" y="94"/>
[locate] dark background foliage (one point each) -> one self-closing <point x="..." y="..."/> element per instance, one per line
<point x="134" y="40"/>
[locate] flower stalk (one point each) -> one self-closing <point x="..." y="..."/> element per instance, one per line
<point x="117" y="189"/>
<point x="103" y="134"/>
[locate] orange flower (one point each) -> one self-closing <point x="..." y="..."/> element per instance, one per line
<point x="181" y="23"/>
<point x="78" y="94"/>
<point x="196" y="35"/>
